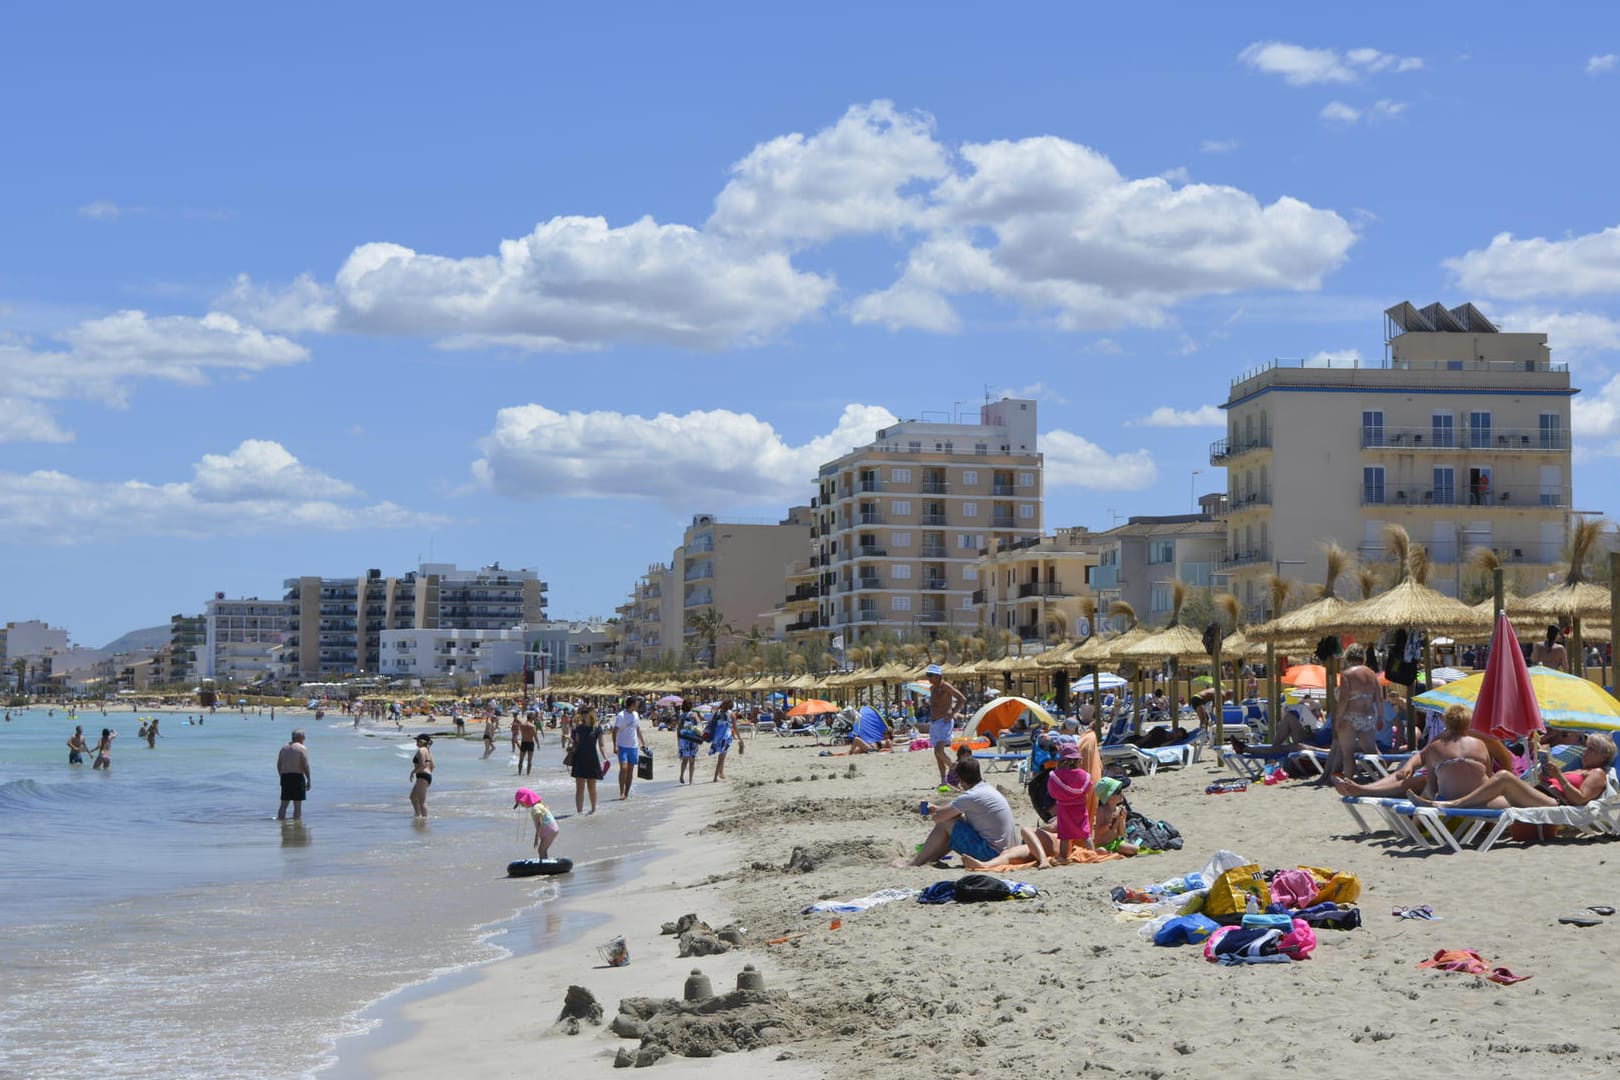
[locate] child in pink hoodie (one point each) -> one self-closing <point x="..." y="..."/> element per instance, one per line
<point x="1069" y="785"/>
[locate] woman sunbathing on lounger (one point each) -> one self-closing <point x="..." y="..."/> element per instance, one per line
<point x="1453" y="764"/>
<point x="1554" y="786"/>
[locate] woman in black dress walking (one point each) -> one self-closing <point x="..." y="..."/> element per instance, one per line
<point x="586" y="762"/>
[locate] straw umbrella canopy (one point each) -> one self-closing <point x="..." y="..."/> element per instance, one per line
<point x="1576" y="599"/>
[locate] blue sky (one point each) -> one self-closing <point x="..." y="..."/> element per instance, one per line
<point x="308" y="289"/>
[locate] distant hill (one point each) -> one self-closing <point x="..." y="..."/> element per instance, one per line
<point x="153" y="637"/>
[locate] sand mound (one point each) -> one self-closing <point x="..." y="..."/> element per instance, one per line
<point x="724" y="1024"/>
<point x="857" y="851"/>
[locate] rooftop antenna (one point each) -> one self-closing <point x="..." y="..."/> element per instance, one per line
<point x="956" y="411"/>
<point x="1111" y="512"/>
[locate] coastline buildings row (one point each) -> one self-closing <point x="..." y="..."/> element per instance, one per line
<point x="1461" y="435"/>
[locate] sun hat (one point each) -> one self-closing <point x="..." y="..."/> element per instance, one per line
<point x="1069" y="751"/>
<point x="525" y="797"/>
<point x="933" y="669"/>
<point x="1107" y="788"/>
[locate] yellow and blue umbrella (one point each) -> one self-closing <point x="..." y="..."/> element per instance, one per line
<point x="1567" y="701"/>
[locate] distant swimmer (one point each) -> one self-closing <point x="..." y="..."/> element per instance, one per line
<point x="292" y="763"/>
<point x="152" y="734"/>
<point x="76" y="745"/>
<point x="104" y="749"/>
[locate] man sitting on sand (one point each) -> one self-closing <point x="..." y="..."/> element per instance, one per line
<point x="977" y="823"/>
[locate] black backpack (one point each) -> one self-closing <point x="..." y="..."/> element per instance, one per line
<point x="977" y="888"/>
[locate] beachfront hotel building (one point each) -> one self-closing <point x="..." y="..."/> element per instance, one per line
<point x="336" y="624"/>
<point x="1140" y="562"/>
<point x="243" y="640"/>
<point x="1460" y="435"/>
<point x="1036" y="587"/>
<point x="900" y="522"/>
<point x="733" y="568"/>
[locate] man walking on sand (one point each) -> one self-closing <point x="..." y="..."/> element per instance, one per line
<point x="293" y="765"/>
<point x="943" y="702"/>
<point x="628" y="740"/>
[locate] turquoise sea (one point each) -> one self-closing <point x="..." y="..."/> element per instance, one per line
<point x="156" y="921"/>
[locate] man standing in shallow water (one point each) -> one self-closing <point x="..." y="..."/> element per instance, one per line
<point x="293" y="765"/>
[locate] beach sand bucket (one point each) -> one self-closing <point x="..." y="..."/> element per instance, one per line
<point x="615" y="952"/>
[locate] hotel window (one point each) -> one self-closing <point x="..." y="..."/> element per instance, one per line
<point x="1443" y="429"/>
<point x="900" y="476"/>
<point x="970" y="510"/>
<point x="1026" y="479"/>
<point x="1372" y="428"/>
<point x="1026" y="510"/>
<point x="981" y="449"/>
<point x="967" y="603"/>
<point x="1372" y="485"/>
<point x="970" y="541"/>
<point x="1552" y="437"/>
<point x="1479" y="429"/>
<point x="914" y="446"/>
<point x="1445" y="485"/>
<point x="901" y="571"/>
<point x="970" y="476"/>
<point x="900" y="539"/>
<point x="901" y="603"/>
<point x="970" y="573"/>
<point x="900" y="507"/>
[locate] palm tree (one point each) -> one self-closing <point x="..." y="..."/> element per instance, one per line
<point x="708" y="624"/>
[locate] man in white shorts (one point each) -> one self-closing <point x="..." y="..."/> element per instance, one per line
<point x="943" y="702"/>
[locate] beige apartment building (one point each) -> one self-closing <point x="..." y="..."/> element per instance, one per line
<point x="900" y="522"/>
<point x="1461" y="436"/>
<point x="1035" y="587"/>
<point x="735" y="568"/>
<point x="1141" y="561"/>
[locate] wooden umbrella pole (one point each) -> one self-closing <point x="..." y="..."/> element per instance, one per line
<point x="1577" y="648"/>
<point x="1614" y="601"/>
<point x="1220" y="703"/>
<point x="1273" y="692"/>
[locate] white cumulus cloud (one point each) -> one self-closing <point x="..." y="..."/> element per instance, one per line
<point x="713" y="456"/>
<point x="1519" y="269"/>
<point x="258" y="487"/>
<point x="103" y="210"/>
<point x="1597" y="65"/>
<point x="1165" y="416"/>
<point x="1072" y="461"/>
<point x="1218" y="146"/>
<point x="842" y="181"/>
<point x="1337" y="112"/>
<point x="1052" y="225"/>
<point x="22" y="420"/>
<point x="1578" y="333"/>
<point x="1298" y="65"/>
<point x="102" y="359"/>
<point x="1335" y="358"/>
<point x="1043" y="223"/>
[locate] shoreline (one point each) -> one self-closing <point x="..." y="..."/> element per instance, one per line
<point x="494" y="1022"/>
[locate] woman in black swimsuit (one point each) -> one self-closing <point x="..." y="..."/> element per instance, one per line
<point x="586" y="764"/>
<point x="421" y="775"/>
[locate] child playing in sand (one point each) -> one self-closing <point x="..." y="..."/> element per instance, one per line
<point x="545" y="822"/>
<point x="1070" y="788"/>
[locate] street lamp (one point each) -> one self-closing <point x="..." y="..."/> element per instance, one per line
<point x="1192" y="491"/>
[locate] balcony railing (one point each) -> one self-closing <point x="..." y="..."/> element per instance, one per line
<point x="936" y="583"/>
<point x="1003" y="521"/>
<point x="932" y="519"/>
<point x="1254" y="500"/>
<point x="1528" y="496"/>
<point x="1250" y="557"/>
<point x="871" y="517"/>
<point x="1463" y="438"/>
<point x="869" y="486"/>
<point x="932" y="551"/>
<point x="978" y="596"/>
<point x="935" y="487"/>
<point x="1222" y="450"/>
<point x="870" y="551"/>
<point x="1041" y="588"/>
<point x="931" y="616"/>
<point x="1002" y="489"/>
<point x="869" y="581"/>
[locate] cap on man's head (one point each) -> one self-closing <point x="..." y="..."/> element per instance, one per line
<point x="933" y="669"/>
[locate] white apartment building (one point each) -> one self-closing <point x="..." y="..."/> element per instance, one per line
<point x="31" y="639"/>
<point x="441" y="655"/>
<point x="243" y="640"/>
<point x="1141" y="561"/>
<point x="900" y="522"/>
<point x="1461" y="436"/>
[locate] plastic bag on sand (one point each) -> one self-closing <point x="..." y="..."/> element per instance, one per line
<point x="1222" y="861"/>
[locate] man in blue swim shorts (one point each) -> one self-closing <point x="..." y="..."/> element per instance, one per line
<point x="628" y="740"/>
<point x="977" y="823"/>
<point x="943" y="701"/>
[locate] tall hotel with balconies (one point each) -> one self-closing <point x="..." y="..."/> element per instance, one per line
<point x="900" y="522"/>
<point x="1461" y="436"/>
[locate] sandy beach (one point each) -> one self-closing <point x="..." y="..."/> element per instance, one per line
<point x="1057" y="986"/>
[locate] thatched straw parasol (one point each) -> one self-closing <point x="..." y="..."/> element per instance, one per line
<point x="1576" y="599"/>
<point x="1410" y="602"/>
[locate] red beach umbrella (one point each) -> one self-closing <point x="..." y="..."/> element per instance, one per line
<point x="812" y="707"/>
<point x="1306" y="677"/>
<point x="1507" y="706"/>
